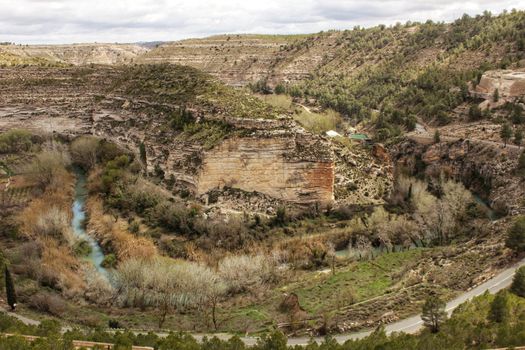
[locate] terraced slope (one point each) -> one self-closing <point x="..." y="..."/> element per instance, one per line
<point x="75" y="54"/>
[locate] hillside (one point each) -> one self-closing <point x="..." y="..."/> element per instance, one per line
<point x="74" y="54"/>
<point x="406" y="68"/>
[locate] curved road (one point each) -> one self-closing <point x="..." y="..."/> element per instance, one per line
<point x="408" y="325"/>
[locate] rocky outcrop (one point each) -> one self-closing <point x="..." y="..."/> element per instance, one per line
<point x="487" y="170"/>
<point x="274" y="157"/>
<point x="275" y="166"/>
<point x="509" y="83"/>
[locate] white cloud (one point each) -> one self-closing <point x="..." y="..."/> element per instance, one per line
<point x="66" y="21"/>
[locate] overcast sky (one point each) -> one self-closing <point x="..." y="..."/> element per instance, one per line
<point x="68" y="21"/>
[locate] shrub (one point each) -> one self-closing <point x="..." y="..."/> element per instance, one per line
<point x="518" y="282"/>
<point x="82" y="248"/>
<point x="243" y="272"/>
<point x="279" y="89"/>
<point x="109" y="261"/>
<point x="15" y="140"/>
<point x="516" y="235"/>
<point x="53" y="222"/>
<point x="48" y="167"/>
<point x="49" y="303"/>
<point x="84" y="151"/>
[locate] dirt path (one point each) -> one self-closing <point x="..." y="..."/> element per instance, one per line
<point x="425" y="134"/>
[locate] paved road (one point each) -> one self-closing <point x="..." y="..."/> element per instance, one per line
<point x="408" y="325"/>
<point x="414" y="323"/>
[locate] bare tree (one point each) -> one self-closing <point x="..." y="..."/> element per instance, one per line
<point x="84" y="151"/>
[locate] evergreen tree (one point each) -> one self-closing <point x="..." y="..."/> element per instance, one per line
<point x="495" y="97"/>
<point x="518" y="283"/>
<point x="499" y="308"/>
<point x="518" y="137"/>
<point x="143" y="156"/>
<point x="506" y="133"/>
<point x="516" y="237"/>
<point x="521" y="164"/>
<point x="437" y="137"/>
<point x="10" y="289"/>
<point x="433" y="313"/>
<point x="474" y="113"/>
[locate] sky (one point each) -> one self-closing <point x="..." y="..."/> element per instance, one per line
<point x="75" y="21"/>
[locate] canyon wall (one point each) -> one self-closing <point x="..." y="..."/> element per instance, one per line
<point x="242" y="59"/>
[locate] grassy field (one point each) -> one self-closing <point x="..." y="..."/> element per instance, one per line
<point x="316" y="122"/>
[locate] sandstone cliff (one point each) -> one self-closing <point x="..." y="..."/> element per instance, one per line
<point x="509" y="83"/>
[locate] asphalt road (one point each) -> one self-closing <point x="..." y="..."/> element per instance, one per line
<point x="408" y="325"/>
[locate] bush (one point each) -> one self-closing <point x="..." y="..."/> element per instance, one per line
<point x="82" y="248"/>
<point x="518" y="283"/>
<point x="516" y="235"/>
<point x="49" y="166"/>
<point x="14" y="141"/>
<point x="243" y="272"/>
<point x="84" y="151"/>
<point x="48" y="303"/>
<point x="110" y="261"/>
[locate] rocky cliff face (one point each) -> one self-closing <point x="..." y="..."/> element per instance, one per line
<point x="509" y="83"/>
<point x="486" y="170"/>
<point x="270" y="155"/>
<point x="275" y="166"/>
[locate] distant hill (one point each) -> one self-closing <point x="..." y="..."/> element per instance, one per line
<point x="75" y="54"/>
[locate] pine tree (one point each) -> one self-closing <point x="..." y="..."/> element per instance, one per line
<point x="495" y="97"/>
<point x="518" y="283"/>
<point x="499" y="308"/>
<point x="516" y="237"/>
<point x="518" y="137"/>
<point x="143" y="156"/>
<point x="10" y="289"/>
<point x="434" y="313"/>
<point x="506" y="133"/>
<point x="437" y="137"/>
<point x="520" y="169"/>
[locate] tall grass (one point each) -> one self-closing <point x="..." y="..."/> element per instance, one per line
<point x="319" y="123"/>
<point x="279" y="101"/>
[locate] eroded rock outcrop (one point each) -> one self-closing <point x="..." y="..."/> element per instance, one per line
<point x="279" y="166"/>
<point x="510" y="85"/>
<point x="221" y="145"/>
<point x="486" y="170"/>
